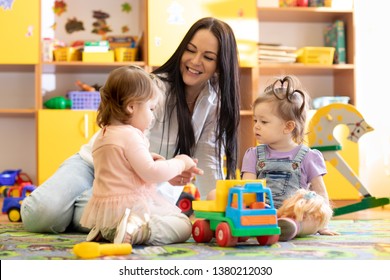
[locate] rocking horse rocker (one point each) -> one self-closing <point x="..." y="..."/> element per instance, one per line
<point x="321" y="128"/>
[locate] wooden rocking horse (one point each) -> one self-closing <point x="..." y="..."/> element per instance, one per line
<point x="320" y="136"/>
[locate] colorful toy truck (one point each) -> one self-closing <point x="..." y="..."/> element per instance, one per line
<point x="242" y="209"/>
<point x="10" y="178"/>
<point x="11" y="204"/>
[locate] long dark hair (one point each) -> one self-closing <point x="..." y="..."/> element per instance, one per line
<point x="226" y="85"/>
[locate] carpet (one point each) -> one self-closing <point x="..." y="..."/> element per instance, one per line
<point x="359" y="240"/>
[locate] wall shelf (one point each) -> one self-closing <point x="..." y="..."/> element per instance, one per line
<point x="301" y="14"/>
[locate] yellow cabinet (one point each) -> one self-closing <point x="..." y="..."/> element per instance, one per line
<point x="61" y="133"/>
<point x="20" y="32"/>
<point x="168" y="22"/>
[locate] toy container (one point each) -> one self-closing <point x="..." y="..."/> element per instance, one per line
<point x="316" y="55"/>
<point x="98" y="57"/>
<point x="125" y="54"/>
<point x="67" y="54"/>
<point x="8" y="177"/>
<point x="84" y="100"/>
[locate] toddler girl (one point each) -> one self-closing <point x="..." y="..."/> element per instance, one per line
<point x="286" y="164"/>
<point x="125" y="206"/>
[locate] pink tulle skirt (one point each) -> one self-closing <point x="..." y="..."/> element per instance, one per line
<point x="106" y="211"/>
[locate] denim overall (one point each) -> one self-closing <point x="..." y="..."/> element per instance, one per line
<point x="283" y="176"/>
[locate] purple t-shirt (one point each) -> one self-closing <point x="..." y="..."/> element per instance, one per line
<point x="313" y="164"/>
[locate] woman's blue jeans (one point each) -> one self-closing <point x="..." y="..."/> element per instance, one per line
<point x="58" y="203"/>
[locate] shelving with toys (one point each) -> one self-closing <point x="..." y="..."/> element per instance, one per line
<point x="22" y="103"/>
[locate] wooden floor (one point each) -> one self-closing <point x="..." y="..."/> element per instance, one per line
<point x="368" y="214"/>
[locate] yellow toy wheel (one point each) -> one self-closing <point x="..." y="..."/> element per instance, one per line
<point x="14" y="215"/>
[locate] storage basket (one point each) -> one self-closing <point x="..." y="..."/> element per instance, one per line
<point x="8" y="177"/>
<point x="67" y="54"/>
<point x="98" y="57"/>
<point x="125" y="54"/>
<point x="84" y="100"/>
<point x="316" y="55"/>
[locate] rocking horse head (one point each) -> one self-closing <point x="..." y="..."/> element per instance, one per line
<point x="325" y="120"/>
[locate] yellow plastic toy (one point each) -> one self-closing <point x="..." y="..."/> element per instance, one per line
<point x="90" y="250"/>
<point x="222" y="193"/>
<point x="321" y="137"/>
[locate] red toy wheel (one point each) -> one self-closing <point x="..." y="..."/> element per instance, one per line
<point x="185" y="204"/>
<point x="201" y="231"/>
<point x="224" y="235"/>
<point x="267" y="240"/>
<point x="243" y="239"/>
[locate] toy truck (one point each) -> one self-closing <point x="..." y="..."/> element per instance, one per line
<point x="11" y="178"/>
<point x="241" y="209"/>
<point x="11" y="204"/>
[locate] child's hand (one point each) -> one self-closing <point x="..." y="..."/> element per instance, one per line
<point x="188" y="162"/>
<point x="326" y="231"/>
<point x="157" y="157"/>
<point x="195" y="170"/>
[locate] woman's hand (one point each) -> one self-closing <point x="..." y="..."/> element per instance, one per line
<point x="186" y="176"/>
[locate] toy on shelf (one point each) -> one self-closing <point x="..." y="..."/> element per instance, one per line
<point x="88" y="98"/>
<point x="14" y="199"/>
<point x="84" y="87"/>
<point x="90" y="250"/>
<point x="84" y="100"/>
<point x="58" y="102"/>
<point x="321" y="128"/>
<point x="238" y="212"/>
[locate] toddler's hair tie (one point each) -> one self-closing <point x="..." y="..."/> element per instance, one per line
<point x="309" y="195"/>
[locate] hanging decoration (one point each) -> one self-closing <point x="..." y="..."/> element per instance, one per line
<point x="100" y="26"/>
<point x="59" y="7"/>
<point x="74" y="25"/>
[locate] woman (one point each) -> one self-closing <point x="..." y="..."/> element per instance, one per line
<point x="198" y="116"/>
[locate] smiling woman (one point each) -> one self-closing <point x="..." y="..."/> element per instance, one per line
<point x="203" y="84"/>
<point x="198" y="64"/>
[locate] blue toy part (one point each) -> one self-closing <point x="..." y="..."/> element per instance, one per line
<point x="256" y="216"/>
<point x="11" y="205"/>
<point x="8" y="177"/>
